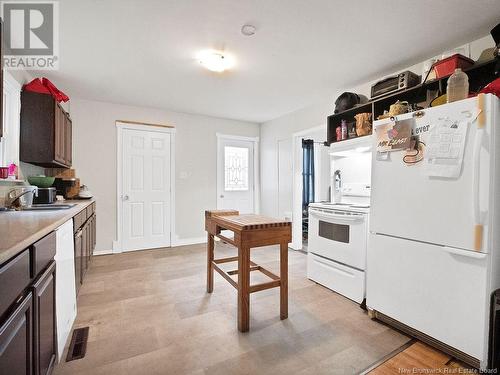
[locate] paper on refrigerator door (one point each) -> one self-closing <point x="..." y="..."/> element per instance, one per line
<point x="445" y="148"/>
<point x="394" y="136"/>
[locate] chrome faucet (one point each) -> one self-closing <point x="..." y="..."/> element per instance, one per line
<point x="337" y="191"/>
<point x="12" y="200"/>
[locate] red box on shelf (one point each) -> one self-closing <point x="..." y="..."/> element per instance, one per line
<point x="447" y="66"/>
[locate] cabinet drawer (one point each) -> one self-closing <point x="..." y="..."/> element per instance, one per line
<point x="43" y="253"/>
<point x="335" y="276"/>
<point x="79" y="219"/>
<point x="14" y="278"/>
<point x="90" y="210"/>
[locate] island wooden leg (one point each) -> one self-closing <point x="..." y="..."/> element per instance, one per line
<point x="210" y="258"/>
<point x="284" y="281"/>
<point x="243" y="289"/>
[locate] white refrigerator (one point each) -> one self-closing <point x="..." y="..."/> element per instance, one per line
<point x="433" y="256"/>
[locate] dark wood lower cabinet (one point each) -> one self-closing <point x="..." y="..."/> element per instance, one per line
<point x="85" y="240"/>
<point x="78" y="259"/>
<point x="16" y="340"/>
<point x="44" y="292"/>
<point x="28" y="341"/>
<point x="28" y="330"/>
<point x="85" y="249"/>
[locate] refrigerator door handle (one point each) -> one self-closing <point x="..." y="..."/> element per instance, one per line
<point x="465" y="253"/>
<point x="478" y="230"/>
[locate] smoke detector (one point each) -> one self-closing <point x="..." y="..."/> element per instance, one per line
<point x="248" y="30"/>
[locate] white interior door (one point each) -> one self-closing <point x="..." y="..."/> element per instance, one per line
<point x="146" y="184"/>
<point x="235" y="174"/>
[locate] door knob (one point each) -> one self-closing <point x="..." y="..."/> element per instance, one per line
<point x="125" y="197"/>
<point x="222" y="196"/>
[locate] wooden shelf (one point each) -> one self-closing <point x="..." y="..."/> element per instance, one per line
<point x="479" y="76"/>
<point x="335" y="120"/>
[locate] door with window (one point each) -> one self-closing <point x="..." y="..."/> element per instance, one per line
<point x="235" y="174"/>
<point x="145" y="195"/>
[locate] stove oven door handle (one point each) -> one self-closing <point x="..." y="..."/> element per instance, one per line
<point x="333" y="217"/>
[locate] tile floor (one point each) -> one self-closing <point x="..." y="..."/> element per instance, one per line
<point x="148" y="313"/>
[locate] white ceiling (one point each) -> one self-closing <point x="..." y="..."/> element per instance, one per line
<point x="142" y="52"/>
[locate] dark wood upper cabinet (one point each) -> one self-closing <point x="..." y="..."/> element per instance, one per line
<point x="46" y="131"/>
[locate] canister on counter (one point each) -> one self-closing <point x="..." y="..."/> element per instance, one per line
<point x="343" y="125"/>
<point x="338" y="132"/>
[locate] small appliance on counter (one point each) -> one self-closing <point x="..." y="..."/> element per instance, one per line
<point x="65" y="187"/>
<point x="399" y="82"/>
<point x="45" y="196"/>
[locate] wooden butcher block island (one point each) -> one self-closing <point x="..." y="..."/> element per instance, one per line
<point x="249" y="231"/>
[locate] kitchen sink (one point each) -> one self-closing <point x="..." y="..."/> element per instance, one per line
<point x="48" y="207"/>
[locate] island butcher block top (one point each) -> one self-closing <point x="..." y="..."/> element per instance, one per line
<point x="231" y="219"/>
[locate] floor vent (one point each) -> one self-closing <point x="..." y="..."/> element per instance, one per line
<point x="78" y="344"/>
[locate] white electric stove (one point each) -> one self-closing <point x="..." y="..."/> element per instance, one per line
<point x="337" y="245"/>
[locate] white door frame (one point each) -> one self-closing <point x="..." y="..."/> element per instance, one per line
<point x="256" y="166"/>
<point x="120" y="127"/>
<point x="296" y="243"/>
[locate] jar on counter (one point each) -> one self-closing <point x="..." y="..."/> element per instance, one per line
<point x="338" y="132"/>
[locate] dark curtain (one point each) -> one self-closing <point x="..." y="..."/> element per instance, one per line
<point x="307" y="172"/>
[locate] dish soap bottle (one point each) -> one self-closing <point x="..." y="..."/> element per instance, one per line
<point x="458" y="86"/>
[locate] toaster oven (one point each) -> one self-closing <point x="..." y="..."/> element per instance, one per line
<point x="396" y="83"/>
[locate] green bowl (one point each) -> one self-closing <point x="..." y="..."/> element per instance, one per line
<point x="41" y="181"/>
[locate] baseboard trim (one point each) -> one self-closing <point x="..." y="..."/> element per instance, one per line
<point x="188" y="241"/>
<point x="117" y="247"/>
<point x="464" y="357"/>
<point x="102" y="252"/>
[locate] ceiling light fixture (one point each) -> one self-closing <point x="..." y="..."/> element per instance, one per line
<point x="248" y="30"/>
<point x="216" y="61"/>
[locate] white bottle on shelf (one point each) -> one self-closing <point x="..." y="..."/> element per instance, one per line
<point x="458" y="86"/>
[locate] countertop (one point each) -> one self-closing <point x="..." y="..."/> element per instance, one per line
<point x="20" y="229"/>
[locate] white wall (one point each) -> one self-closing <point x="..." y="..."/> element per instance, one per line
<point x="356" y="168"/>
<point x="285" y="179"/>
<point x="313" y="115"/>
<point x="94" y="158"/>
